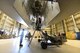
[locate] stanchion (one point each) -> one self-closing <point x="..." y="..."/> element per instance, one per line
<point x="31" y="38"/>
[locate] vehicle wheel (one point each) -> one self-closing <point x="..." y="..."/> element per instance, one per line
<point x="60" y="42"/>
<point x="43" y="45"/>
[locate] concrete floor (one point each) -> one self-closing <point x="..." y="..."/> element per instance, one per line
<point x="12" y="46"/>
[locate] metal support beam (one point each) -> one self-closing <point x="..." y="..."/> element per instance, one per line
<point x="65" y="26"/>
<point x="75" y="26"/>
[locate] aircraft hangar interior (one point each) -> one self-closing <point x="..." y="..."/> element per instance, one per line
<point x="39" y="26"/>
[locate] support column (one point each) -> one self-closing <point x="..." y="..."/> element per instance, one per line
<point x="55" y="28"/>
<point x="50" y="29"/>
<point x="63" y="28"/>
<point x="19" y="27"/>
<point x="65" y="25"/>
<point x="3" y="26"/>
<point x="12" y="31"/>
<point x="75" y="26"/>
<point x="1" y="15"/>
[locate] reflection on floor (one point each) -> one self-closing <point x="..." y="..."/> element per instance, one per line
<point x="12" y="46"/>
<point x="75" y="43"/>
